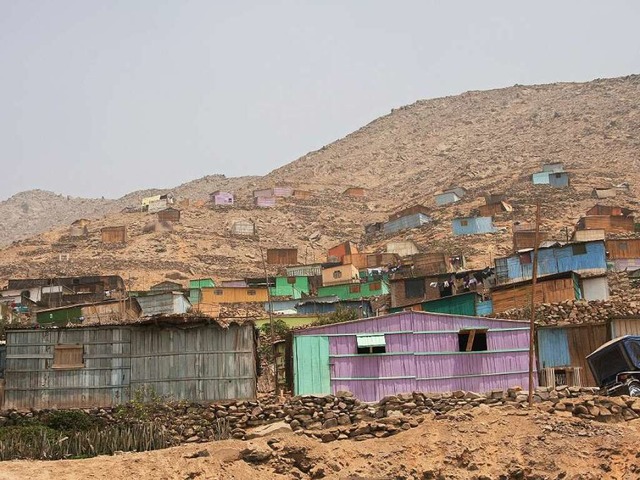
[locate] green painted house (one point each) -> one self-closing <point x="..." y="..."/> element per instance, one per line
<point x="292" y="287"/>
<point x="60" y="316"/>
<point x="195" y="287"/>
<point x="355" y="291"/>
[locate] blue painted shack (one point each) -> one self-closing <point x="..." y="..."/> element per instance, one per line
<point x="445" y="198"/>
<point x="562" y="352"/>
<point x="540" y="178"/>
<point x="554" y="179"/>
<point x="580" y="257"/>
<point x="472" y="225"/>
<point x="559" y="179"/>
<point x="403" y="223"/>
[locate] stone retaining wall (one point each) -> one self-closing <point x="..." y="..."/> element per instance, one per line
<point x="343" y="416"/>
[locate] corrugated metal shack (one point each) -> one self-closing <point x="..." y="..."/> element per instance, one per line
<point x="566" y="347"/>
<point x="114" y="235"/>
<point x="243" y="228"/>
<point x="281" y="191"/>
<point x="472" y="225"/>
<point x="551" y="289"/>
<point x="221" y="198"/>
<point x="587" y="235"/>
<point x="409" y="211"/>
<point x="167" y="303"/>
<point x="599" y="209"/>
<point x="265" y="202"/>
<point x="194" y="359"/>
<point x="282" y="256"/>
<point x="410" y="351"/>
<point x="402" y="248"/>
<point x="583" y="258"/>
<point x="607" y="192"/>
<point x="608" y="223"/>
<point x="169" y="215"/>
<point x="621" y="326"/>
<point x="624" y="253"/>
<point x="403" y="223"/>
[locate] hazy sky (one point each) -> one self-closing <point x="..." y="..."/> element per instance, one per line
<point x="102" y="97"/>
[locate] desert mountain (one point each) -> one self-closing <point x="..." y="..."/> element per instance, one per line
<point x="489" y="141"/>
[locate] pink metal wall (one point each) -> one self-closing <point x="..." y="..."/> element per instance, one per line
<point x="422" y="354"/>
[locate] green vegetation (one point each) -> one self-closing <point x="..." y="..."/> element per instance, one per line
<point x="340" y="315"/>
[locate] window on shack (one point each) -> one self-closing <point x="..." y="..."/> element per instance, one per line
<point x="68" y="356"/>
<point x="414" y="288"/>
<point x="337" y="274"/>
<point x="218" y="292"/>
<point x="375" y="286"/>
<point x="579" y="248"/>
<point x="368" y="344"/>
<point x="464" y="223"/>
<point x="291" y="280"/>
<point x="251" y="292"/>
<point x="472" y="340"/>
<point x="354" y="288"/>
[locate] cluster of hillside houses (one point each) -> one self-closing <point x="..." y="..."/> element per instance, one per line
<point x="424" y="321"/>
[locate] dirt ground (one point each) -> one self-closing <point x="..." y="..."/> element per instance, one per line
<point x="480" y="444"/>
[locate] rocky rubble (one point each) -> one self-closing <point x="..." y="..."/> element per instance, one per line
<point x="341" y="417"/>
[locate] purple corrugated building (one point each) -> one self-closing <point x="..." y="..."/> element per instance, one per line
<point x="265" y="201"/>
<point x="410" y="351"/>
<point x="282" y="191"/>
<point x="221" y="198"/>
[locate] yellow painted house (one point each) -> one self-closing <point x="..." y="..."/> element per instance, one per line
<point x="213" y="295"/>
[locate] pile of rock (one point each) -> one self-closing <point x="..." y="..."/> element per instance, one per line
<point x="575" y="311"/>
<point x="343" y="416"/>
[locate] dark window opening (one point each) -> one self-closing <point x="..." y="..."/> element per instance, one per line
<point x="291" y="280"/>
<point x="375" y="286"/>
<point x="218" y="292"/>
<point x="414" y="288"/>
<point x="472" y="341"/>
<point x="378" y="349"/>
<point x="579" y="248"/>
<point x="337" y="274"/>
<point x="251" y="292"/>
<point x="354" y="289"/>
<point x="464" y="223"/>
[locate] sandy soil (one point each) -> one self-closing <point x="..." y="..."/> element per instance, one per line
<point x="480" y="444"/>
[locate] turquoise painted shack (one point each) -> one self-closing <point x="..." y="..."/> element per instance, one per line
<point x="461" y="304"/>
<point x="292" y="287"/>
<point x="355" y="291"/>
<point x="472" y="225"/>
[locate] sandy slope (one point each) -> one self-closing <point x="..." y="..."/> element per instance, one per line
<point x="478" y="444"/>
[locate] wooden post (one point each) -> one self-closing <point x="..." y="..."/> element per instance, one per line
<point x="534" y="278"/>
<point x="273" y="335"/>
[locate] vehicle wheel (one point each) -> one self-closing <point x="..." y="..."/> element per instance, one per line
<point x="634" y="388"/>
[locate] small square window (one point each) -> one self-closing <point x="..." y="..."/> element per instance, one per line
<point x="373" y="343"/>
<point x="472" y="340"/>
<point x="251" y="292"/>
<point x="337" y="274"/>
<point x="623" y="246"/>
<point x="375" y="286"/>
<point x="354" y="288"/>
<point x="464" y="223"/>
<point x="218" y="292"/>
<point x="68" y="356"/>
<point x="579" y="248"/>
<point x="291" y="280"/>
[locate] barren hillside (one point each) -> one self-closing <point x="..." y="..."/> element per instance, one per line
<point x="483" y="141"/>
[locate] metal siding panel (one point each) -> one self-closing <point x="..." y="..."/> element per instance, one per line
<point x="625" y="326"/>
<point x="311" y="365"/>
<point x="582" y="341"/>
<point x="553" y="348"/>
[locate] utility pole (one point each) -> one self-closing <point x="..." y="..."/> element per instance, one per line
<point x="534" y="278"/>
<point x="273" y="335"/>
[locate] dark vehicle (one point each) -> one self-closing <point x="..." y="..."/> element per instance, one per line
<point x="616" y="366"/>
